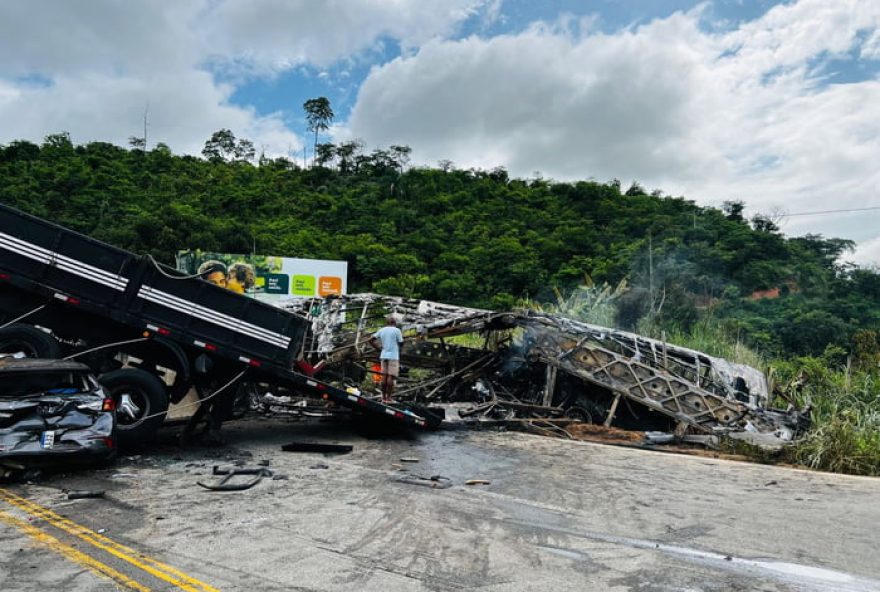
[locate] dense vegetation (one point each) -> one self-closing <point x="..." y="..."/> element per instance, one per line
<point x="700" y="276"/>
<point x="468" y="237"/>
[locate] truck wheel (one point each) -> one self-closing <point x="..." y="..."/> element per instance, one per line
<point x="28" y="340"/>
<point x="141" y="403"/>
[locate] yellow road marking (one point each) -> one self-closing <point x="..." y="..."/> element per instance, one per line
<point x="140" y="560"/>
<point x="70" y="553"/>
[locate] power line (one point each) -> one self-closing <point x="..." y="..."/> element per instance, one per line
<point x="830" y="212"/>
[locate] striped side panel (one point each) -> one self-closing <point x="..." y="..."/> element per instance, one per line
<point x="212" y="316"/>
<point x="62" y="262"/>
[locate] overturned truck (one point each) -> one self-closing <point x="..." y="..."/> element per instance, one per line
<point x="527" y="365"/>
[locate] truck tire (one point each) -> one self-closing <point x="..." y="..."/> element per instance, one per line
<point x="29" y="340"/>
<point x="141" y="403"/>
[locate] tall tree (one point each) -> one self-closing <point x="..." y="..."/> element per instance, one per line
<point x="319" y="115"/>
<point x="220" y="145"/>
<point x="223" y="146"/>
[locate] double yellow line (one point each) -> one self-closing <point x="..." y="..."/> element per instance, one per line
<point x="140" y="560"/>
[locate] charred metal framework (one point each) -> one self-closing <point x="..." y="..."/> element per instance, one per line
<point x="528" y="365"/>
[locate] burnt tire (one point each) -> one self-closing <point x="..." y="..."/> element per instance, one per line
<point x="579" y="413"/>
<point x="586" y="409"/>
<point x="141" y="404"/>
<point x="29" y="340"/>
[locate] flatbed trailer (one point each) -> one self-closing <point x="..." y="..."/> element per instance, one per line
<point x="63" y="294"/>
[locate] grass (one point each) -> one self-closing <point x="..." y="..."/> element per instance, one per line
<point x="844" y="400"/>
<point x="845" y="409"/>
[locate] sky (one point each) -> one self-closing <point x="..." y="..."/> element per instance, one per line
<point x="773" y="103"/>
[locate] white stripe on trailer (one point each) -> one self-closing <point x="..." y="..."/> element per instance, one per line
<point x="56" y="259"/>
<point x="213" y="316"/>
<point x="195" y="310"/>
<point x="62" y="262"/>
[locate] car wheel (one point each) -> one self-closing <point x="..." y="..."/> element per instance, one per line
<point x="141" y="404"/>
<point x="28" y="340"/>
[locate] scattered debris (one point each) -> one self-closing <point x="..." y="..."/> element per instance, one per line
<point x="434" y="482"/>
<point x="319" y="466"/>
<point x="317" y="447"/>
<point x="407" y="459"/>
<point x="83" y="494"/>
<point x="477" y="482"/>
<point x="229" y="473"/>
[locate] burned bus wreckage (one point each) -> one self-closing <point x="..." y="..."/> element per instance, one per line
<point x="547" y="370"/>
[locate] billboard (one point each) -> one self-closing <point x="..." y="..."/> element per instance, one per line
<point x="267" y="278"/>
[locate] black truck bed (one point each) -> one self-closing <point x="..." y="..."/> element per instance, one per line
<point x="58" y="265"/>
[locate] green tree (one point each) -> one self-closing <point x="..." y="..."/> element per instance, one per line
<point x="325" y="153"/>
<point x="220" y="145"/>
<point x="223" y="146"/>
<point x="319" y="116"/>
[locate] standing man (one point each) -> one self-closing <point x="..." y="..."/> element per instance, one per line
<point x="388" y="339"/>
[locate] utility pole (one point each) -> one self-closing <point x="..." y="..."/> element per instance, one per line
<point x="146" y="115"/>
<point x="651" y="269"/>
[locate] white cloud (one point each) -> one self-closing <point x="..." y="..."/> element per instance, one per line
<point x="867" y="253"/>
<point x="103" y="61"/>
<point x="742" y="114"/>
<point x="279" y="34"/>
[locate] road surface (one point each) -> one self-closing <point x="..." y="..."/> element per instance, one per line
<point x="556" y="515"/>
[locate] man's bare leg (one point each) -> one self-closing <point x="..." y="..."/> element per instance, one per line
<point x="385" y="394"/>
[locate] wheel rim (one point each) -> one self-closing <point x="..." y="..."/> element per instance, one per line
<point x="579" y="413"/>
<point x="132" y="407"/>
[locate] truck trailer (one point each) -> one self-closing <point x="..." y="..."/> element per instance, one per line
<point x="149" y="332"/>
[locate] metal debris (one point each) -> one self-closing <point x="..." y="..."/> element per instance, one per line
<point x="75" y="495"/>
<point x="317" y="447"/>
<point x="545" y="371"/>
<point x="229" y="473"/>
<point x="434" y="482"/>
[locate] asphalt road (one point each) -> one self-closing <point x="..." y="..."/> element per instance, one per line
<point x="557" y="515"/>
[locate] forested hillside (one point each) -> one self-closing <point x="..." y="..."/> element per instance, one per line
<point x="468" y="237"/>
